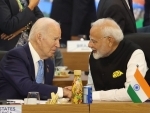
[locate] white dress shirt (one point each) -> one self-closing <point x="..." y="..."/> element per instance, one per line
<point x="137" y="58"/>
<point x="36" y="58"/>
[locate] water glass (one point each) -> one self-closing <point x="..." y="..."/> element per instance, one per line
<point x="32" y="98"/>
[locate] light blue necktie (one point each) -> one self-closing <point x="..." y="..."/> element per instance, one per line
<point x="40" y="73"/>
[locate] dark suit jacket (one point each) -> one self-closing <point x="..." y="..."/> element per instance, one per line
<point x="147" y="13"/>
<point x="12" y="20"/>
<point x="17" y="75"/>
<point x="74" y="16"/>
<point x="119" y="11"/>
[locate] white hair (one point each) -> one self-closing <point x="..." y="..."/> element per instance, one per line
<point x="41" y="25"/>
<point x="108" y="27"/>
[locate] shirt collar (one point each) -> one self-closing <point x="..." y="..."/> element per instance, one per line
<point x="34" y="54"/>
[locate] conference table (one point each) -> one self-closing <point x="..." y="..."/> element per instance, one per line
<point x="56" y="108"/>
<point x="95" y="107"/>
<point x="119" y="107"/>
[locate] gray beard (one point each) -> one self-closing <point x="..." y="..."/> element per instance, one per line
<point x="97" y="55"/>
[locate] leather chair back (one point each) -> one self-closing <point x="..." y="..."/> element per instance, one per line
<point x="143" y="40"/>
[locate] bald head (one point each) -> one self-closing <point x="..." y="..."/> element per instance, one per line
<point x="107" y="27"/>
<point x="43" y="25"/>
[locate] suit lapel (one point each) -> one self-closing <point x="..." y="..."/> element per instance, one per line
<point x="48" y="67"/>
<point x="48" y="71"/>
<point x="129" y="12"/>
<point x="14" y="7"/>
<point x="32" y="70"/>
<point x="131" y="7"/>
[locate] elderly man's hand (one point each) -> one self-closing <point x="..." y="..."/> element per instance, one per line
<point x="69" y="87"/>
<point x="67" y="93"/>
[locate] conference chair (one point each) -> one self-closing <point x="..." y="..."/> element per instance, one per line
<point x="143" y="40"/>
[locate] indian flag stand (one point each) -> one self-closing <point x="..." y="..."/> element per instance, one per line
<point x="138" y="90"/>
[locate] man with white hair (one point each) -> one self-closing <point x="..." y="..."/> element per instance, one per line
<point x="113" y="61"/>
<point x="29" y="68"/>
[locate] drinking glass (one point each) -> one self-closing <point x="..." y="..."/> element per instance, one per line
<point x="33" y="98"/>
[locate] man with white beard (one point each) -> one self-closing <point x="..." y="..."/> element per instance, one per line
<point x="113" y="61"/>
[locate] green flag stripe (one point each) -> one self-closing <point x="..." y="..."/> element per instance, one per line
<point x="133" y="95"/>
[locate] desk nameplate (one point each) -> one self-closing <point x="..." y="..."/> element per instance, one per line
<point x="78" y="46"/>
<point x="10" y="109"/>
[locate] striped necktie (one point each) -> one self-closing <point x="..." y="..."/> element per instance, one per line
<point x="40" y="73"/>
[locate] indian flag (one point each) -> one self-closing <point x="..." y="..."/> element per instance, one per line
<point x="139" y="90"/>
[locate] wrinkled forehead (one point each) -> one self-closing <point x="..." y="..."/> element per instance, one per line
<point x="95" y="32"/>
<point x="54" y="26"/>
<point x="54" y="31"/>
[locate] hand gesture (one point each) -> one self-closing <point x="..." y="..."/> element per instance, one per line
<point x="69" y="87"/>
<point x="67" y="93"/>
<point x="33" y="3"/>
<point x="11" y="36"/>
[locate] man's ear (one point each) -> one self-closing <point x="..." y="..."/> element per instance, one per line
<point x="39" y="38"/>
<point x="110" y="41"/>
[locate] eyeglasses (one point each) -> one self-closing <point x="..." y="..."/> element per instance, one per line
<point x="96" y="41"/>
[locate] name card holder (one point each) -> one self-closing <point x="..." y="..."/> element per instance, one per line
<point x="10" y="109"/>
<point x="78" y="46"/>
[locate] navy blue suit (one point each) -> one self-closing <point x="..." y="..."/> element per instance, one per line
<point x="17" y="75"/>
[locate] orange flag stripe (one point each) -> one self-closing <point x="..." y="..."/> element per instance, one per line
<point x="142" y="82"/>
